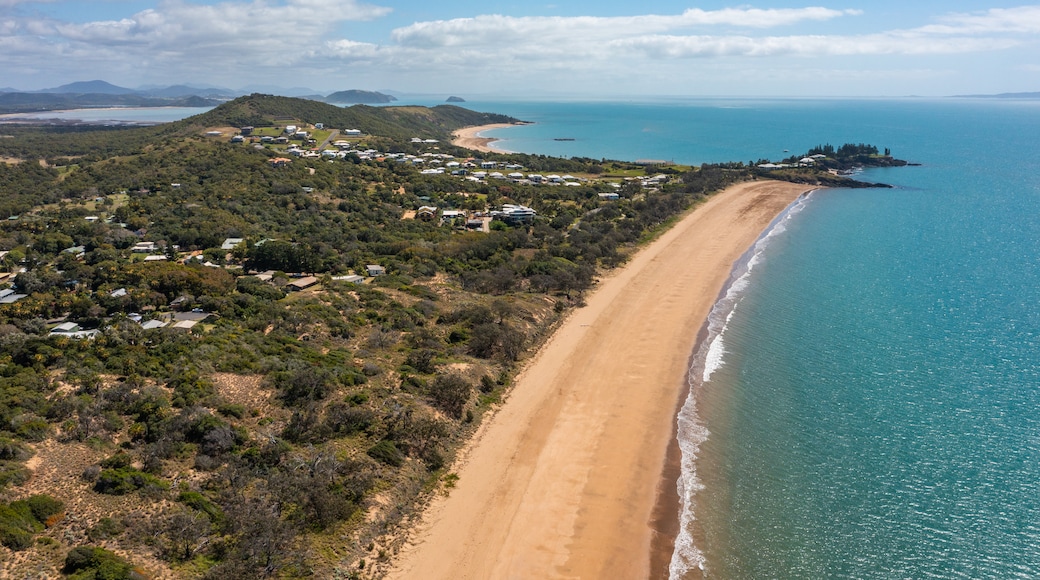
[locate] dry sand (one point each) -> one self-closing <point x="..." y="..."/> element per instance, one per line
<point x="563" y="480"/>
<point x="470" y="138"/>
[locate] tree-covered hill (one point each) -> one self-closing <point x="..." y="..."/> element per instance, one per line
<point x="259" y="110"/>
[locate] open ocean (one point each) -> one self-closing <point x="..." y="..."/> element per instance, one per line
<point x="867" y="403"/>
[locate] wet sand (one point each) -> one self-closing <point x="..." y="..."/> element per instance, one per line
<point x="565" y="480"/>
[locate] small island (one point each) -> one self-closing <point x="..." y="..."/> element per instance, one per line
<point x="454" y="99"/>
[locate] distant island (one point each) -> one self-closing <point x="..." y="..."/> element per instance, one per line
<point x="355" y="97"/>
<point x="454" y="99"/>
<point x="1033" y="95"/>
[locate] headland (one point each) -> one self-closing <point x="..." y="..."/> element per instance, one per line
<point x="564" y="479"/>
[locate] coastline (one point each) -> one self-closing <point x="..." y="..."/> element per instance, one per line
<point x="566" y="480"/>
<point x="469" y="137"/>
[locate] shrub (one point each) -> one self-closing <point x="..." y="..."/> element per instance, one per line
<point x="21" y="519"/>
<point x="105" y="528"/>
<point x="386" y="452"/>
<point x="450" y="393"/>
<point x="92" y="563"/>
<point x="196" y="500"/>
<point x="125" y="480"/>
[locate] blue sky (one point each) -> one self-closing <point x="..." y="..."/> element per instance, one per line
<point x="509" y="48"/>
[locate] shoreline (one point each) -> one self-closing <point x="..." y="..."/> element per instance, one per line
<point x="469" y="137"/>
<point x="565" y="478"/>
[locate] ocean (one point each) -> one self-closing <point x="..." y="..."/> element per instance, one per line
<point x="867" y="402"/>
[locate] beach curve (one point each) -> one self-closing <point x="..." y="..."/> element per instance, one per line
<point x="563" y="481"/>
<point x="469" y="137"/>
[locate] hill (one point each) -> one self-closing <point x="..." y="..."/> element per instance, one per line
<point x="259" y="110"/>
<point x="355" y="96"/>
<point x="90" y="87"/>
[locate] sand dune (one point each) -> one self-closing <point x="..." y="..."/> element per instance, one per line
<point x="563" y="480"/>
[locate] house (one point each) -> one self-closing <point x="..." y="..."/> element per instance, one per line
<point x="609" y="196"/>
<point x="279" y="161"/>
<point x="152" y="324"/>
<point x="144" y="247"/>
<point x="238" y="139"/>
<point x="352" y="132"/>
<point x="155" y="258"/>
<point x="426" y="213"/>
<point x="290" y="129"/>
<point x="118" y="293"/>
<point x="11" y="298"/>
<point x="375" y="270"/>
<point x="213" y="133"/>
<point x="71" y="329"/>
<point x="185" y="324"/>
<point x="247" y="131"/>
<point x="231" y="243"/>
<point x="302" y="283"/>
<point x="352" y="279"/>
<point x="515" y="214"/>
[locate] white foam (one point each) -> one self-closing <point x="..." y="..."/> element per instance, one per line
<point x="709" y="358"/>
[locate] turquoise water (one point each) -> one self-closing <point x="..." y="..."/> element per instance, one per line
<point x="873" y="402"/>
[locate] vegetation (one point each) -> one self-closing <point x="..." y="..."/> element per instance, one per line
<point x="280" y="432"/>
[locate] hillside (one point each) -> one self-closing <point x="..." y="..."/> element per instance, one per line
<point x="259" y="110"/>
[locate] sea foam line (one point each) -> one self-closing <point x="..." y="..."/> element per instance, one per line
<point x="710" y="357"/>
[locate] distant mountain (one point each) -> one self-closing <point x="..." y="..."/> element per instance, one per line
<point x="455" y="100"/>
<point x="36" y="102"/>
<point x="1003" y="96"/>
<point x="90" y="87"/>
<point x="8" y="90"/>
<point x="354" y="96"/>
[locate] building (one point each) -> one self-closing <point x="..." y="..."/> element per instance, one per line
<point x="426" y="213"/>
<point x="515" y="214"/>
<point x="231" y="243"/>
<point x="352" y="279"/>
<point x="302" y="283"/>
<point x="375" y="270"/>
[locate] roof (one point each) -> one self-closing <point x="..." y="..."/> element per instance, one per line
<point x="305" y="282"/>
<point x="230" y="243"/>
<point x="66" y="327"/>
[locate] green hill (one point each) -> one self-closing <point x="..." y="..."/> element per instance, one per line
<point x="259" y="110"/>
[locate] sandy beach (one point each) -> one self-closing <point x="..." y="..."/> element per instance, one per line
<point x="469" y="137"/>
<point x="562" y="482"/>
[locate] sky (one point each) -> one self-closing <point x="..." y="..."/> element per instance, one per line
<point x="511" y="48"/>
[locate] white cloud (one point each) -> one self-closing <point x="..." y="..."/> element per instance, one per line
<point x="500" y="29"/>
<point x="806" y="46"/>
<point x="1020" y="20"/>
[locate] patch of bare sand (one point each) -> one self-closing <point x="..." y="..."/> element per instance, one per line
<point x="563" y="481"/>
